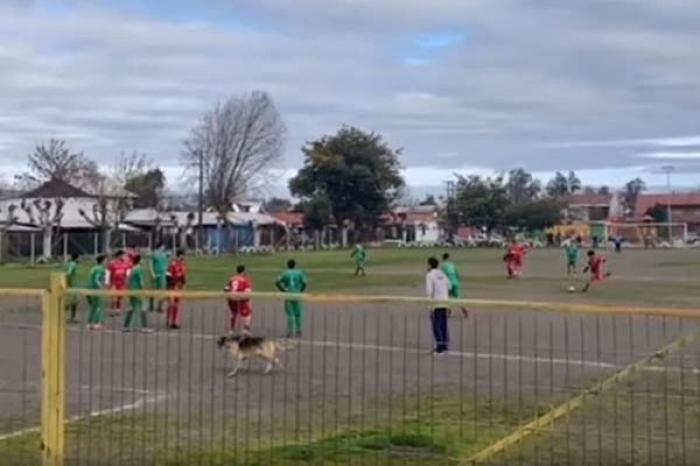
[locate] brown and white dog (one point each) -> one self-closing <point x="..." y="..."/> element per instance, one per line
<point x="244" y="347"/>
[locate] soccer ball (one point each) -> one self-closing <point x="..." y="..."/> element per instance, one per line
<point x="572" y="289"/>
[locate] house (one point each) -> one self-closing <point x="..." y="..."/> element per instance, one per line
<point x="70" y="218"/>
<point x="586" y="207"/>
<point x="685" y="208"/>
<point x="415" y="224"/>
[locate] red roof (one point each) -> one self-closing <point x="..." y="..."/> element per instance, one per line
<point x="589" y="199"/>
<point x="290" y="218"/>
<point x="647" y="201"/>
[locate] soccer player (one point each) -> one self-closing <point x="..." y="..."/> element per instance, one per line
<point x="515" y="258"/>
<point x="450" y="270"/>
<point x="572" y="253"/>
<point x="117" y="273"/>
<point x="177" y="276"/>
<point x="595" y="265"/>
<point x="437" y="287"/>
<point x="240" y="309"/>
<point x="136" y="312"/>
<point x="71" y="299"/>
<point x="360" y="256"/>
<point x="293" y="280"/>
<point x="97" y="280"/>
<point x="159" y="273"/>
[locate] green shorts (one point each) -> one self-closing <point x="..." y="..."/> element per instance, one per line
<point x="160" y="282"/>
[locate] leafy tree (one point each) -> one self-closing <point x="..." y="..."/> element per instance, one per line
<point x="521" y="186"/>
<point x="356" y="171"/>
<point x="481" y="202"/>
<point x="317" y="213"/>
<point x="147" y="186"/>
<point x="56" y="161"/>
<point x="659" y="213"/>
<point x="276" y="205"/>
<point x="563" y="185"/>
<point x="589" y="190"/>
<point x="604" y="190"/>
<point x="633" y="189"/>
<point x="428" y="201"/>
<point x="536" y="214"/>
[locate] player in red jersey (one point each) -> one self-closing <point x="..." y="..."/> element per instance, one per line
<point x="596" y="265"/>
<point x="514" y="259"/>
<point x="117" y="275"/>
<point x="240" y="309"/>
<point x="177" y="278"/>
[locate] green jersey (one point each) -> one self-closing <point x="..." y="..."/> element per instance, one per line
<point x="136" y="278"/>
<point x="359" y="254"/>
<point x="71" y="273"/>
<point x="98" y="275"/>
<point x="292" y="281"/>
<point x="450" y="269"/>
<point x="159" y="262"/>
<point x="572" y="252"/>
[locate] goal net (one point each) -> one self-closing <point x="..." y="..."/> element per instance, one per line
<point x="648" y="234"/>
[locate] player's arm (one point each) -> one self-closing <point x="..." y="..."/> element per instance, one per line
<point x="280" y="284"/>
<point x="428" y="287"/>
<point x="304" y="283"/>
<point x="152" y="266"/>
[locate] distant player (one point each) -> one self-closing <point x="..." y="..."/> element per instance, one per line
<point x="359" y="254"/>
<point x="136" y="314"/>
<point x="515" y="259"/>
<point x="572" y="251"/>
<point x="97" y="280"/>
<point x="71" y="282"/>
<point x="240" y="309"/>
<point x="160" y="260"/>
<point x="117" y="273"/>
<point x="177" y="278"/>
<point x="293" y="280"/>
<point x="450" y="270"/>
<point x="596" y="266"/>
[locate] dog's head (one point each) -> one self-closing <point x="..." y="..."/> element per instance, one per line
<point x="225" y="340"/>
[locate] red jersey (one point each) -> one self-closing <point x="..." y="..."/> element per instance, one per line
<point x="118" y="271"/>
<point x="240" y="284"/>
<point x="178" y="273"/>
<point x="595" y="264"/>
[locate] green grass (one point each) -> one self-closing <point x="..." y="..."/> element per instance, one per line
<point x="648" y="278"/>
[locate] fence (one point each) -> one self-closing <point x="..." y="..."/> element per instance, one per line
<point x="522" y="383"/>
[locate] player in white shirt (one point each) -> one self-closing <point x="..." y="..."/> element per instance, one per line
<point x="437" y="287"/>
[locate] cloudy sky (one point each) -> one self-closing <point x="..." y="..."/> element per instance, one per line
<point x="608" y="88"/>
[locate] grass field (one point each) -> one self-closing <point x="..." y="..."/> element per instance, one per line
<point x="656" y="277"/>
<point x="361" y="387"/>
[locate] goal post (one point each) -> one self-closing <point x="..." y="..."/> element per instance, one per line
<point x="649" y="234"/>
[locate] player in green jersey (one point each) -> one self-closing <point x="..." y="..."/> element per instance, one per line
<point x="96" y="281"/>
<point x="572" y="254"/>
<point x="450" y="270"/>
<point x="160" y="260"/>
<point x="359" y="254"/>
<point x="71" y="282"/>
<point x="293" y="280"/>
<point x="136" y="312"/>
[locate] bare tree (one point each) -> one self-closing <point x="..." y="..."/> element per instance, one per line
<point x="9" y="219"/>
<point x="56" y="161"/>
<point x="112" y="203"/>
<point x="182" y="228"/>
<point x="47" y="215"/>
<point x="236" y="142"/>
<point x="129" y="166"/>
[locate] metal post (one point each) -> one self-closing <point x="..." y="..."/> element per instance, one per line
<point x="95" y="243"/>
<point x="32" y="247"/>
<point x="53" y="358"/>
<point x="200" y="200"/>
<point x="65" y="246"/>
<point x="668" y="169"/>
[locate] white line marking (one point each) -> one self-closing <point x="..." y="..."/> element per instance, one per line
<point x="103" y="412"/>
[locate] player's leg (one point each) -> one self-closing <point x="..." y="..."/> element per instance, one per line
<point x="91" y="310"/>
<point x="176" y="313"/>
<point x="445" y="336"/>
<point x="129" y="318"/>
<point x="99" y="312"/>
<point x="162" y="285"/>
<point x="298" y="317"/>
<point x="231" y="315"/>
<point x="289" y="311"/>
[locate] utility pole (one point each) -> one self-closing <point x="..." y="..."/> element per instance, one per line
<point x="668" y="169"/>
<point x="200" y="202"/>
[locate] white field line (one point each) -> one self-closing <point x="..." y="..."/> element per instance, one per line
<point x="103" y="412"/>
<point x="459" y="354"/>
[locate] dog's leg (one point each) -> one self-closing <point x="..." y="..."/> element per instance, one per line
<point x="268" y="367"/>
<point x="278" y="363"/>
<point x="235" y="369"/>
